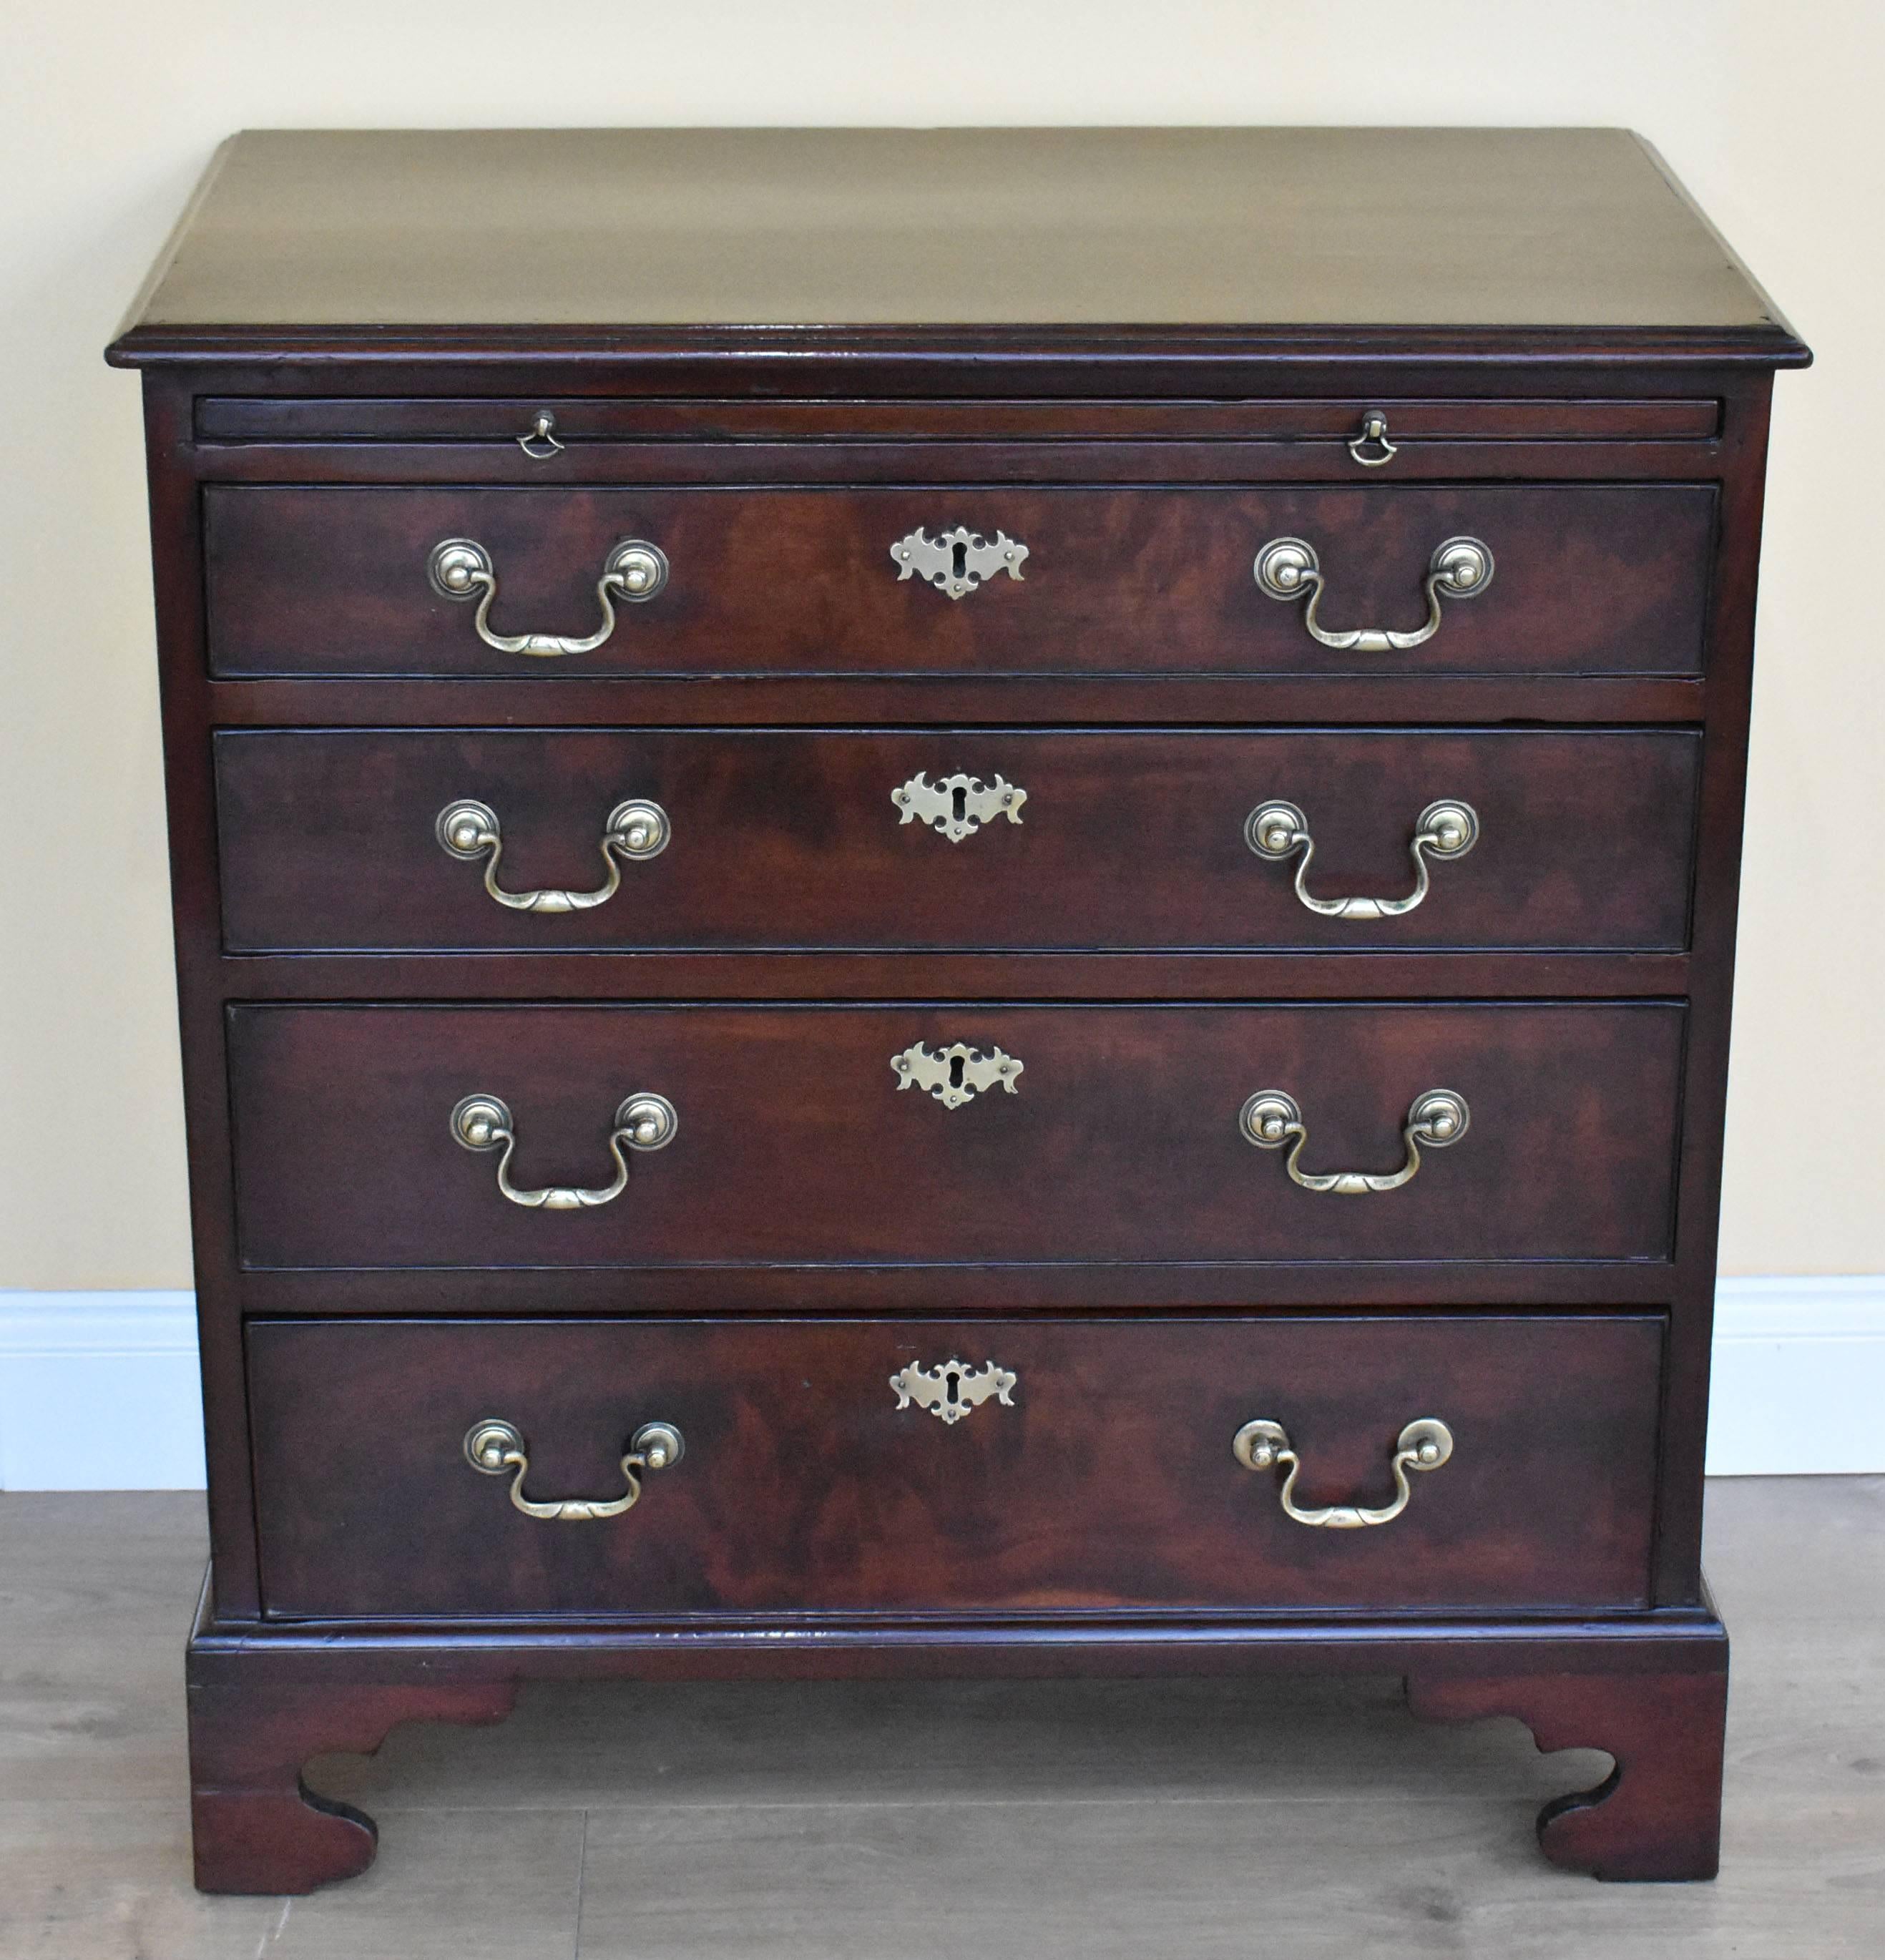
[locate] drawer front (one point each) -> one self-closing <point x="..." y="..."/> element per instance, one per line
<point x="1585" y="579"/>
<point x="1107" y="1478"/>
<point x="1116" y="1133"/>
<point x="1005" y="839"/>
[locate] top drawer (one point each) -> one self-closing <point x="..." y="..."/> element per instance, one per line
<point x="1535" y="578"/>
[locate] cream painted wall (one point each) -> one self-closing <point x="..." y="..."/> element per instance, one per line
<point x="107" y="113"/>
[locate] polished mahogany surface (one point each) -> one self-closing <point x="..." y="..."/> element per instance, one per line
<point x="1034" y="229"/>
<point x="791" y="839"/>
<point x="776" y="357"/>
<point x="1106" y="1480"/>
<point x="799" y="1143"/>
<point x="1586" y="579"/>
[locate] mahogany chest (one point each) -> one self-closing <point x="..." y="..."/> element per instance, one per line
<point x="953" y="902"/>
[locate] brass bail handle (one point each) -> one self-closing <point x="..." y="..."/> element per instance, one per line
<point x="540" y="444"/>
<point x="1438" y="1119"/>
<point x="1374" y="437"/>
<point x="460" y="569"/>
<point x="494" y="1446"/>
<point x="1425" y="1444"/>
<point x="1288" y="569"/>
<point x="644" y="1122"/>
<point x="635" y="830"/>
<point x="1278" y="830"/>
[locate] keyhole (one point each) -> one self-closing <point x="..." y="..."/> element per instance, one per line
<point x="952" y="1384"/>
<point x="958" y="803"/>
<point x="961" y="559"/>
<point x="955" y="1071"/>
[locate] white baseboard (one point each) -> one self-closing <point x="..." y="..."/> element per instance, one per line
<point x="98" y="1391"/>
<point x="1799" y="1371"/>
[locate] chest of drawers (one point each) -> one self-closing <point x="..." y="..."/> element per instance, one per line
<point x="953" y="902"/>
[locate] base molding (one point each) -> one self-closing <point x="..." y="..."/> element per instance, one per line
<point x="1657" y="1814"/>
<point x="257" y="1827"/>
<point x="1650" y="1688"/>
<point x="99" y="1391"/>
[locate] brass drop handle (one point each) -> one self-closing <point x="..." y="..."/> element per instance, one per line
<point x="469" y="829"/>
<point x="1277" y="831"/>
<point x="1422" y="1445"/>
<point x="1272" y="1118"/>
<point x="645" y="1121"/>
<point x="1373" y="436"/>
<point x="1288" y="569"/>
<point x="493" y="1446"/>
<point x="460" y="568"/>
<point x="540" y="444"/>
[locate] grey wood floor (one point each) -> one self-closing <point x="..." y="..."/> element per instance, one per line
<point x="1105" y="1819"/>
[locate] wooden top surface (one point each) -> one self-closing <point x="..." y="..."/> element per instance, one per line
<point x="1255" y="229"/>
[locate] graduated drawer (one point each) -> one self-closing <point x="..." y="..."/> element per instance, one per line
<point x="1007" y="1134"/>
<point x="1096" y="1469"/>
<point x="1585" y="578"/>
<point x="1003" y="839"/>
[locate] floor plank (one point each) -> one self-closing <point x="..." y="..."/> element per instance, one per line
<point x="1069" y="1880"/>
